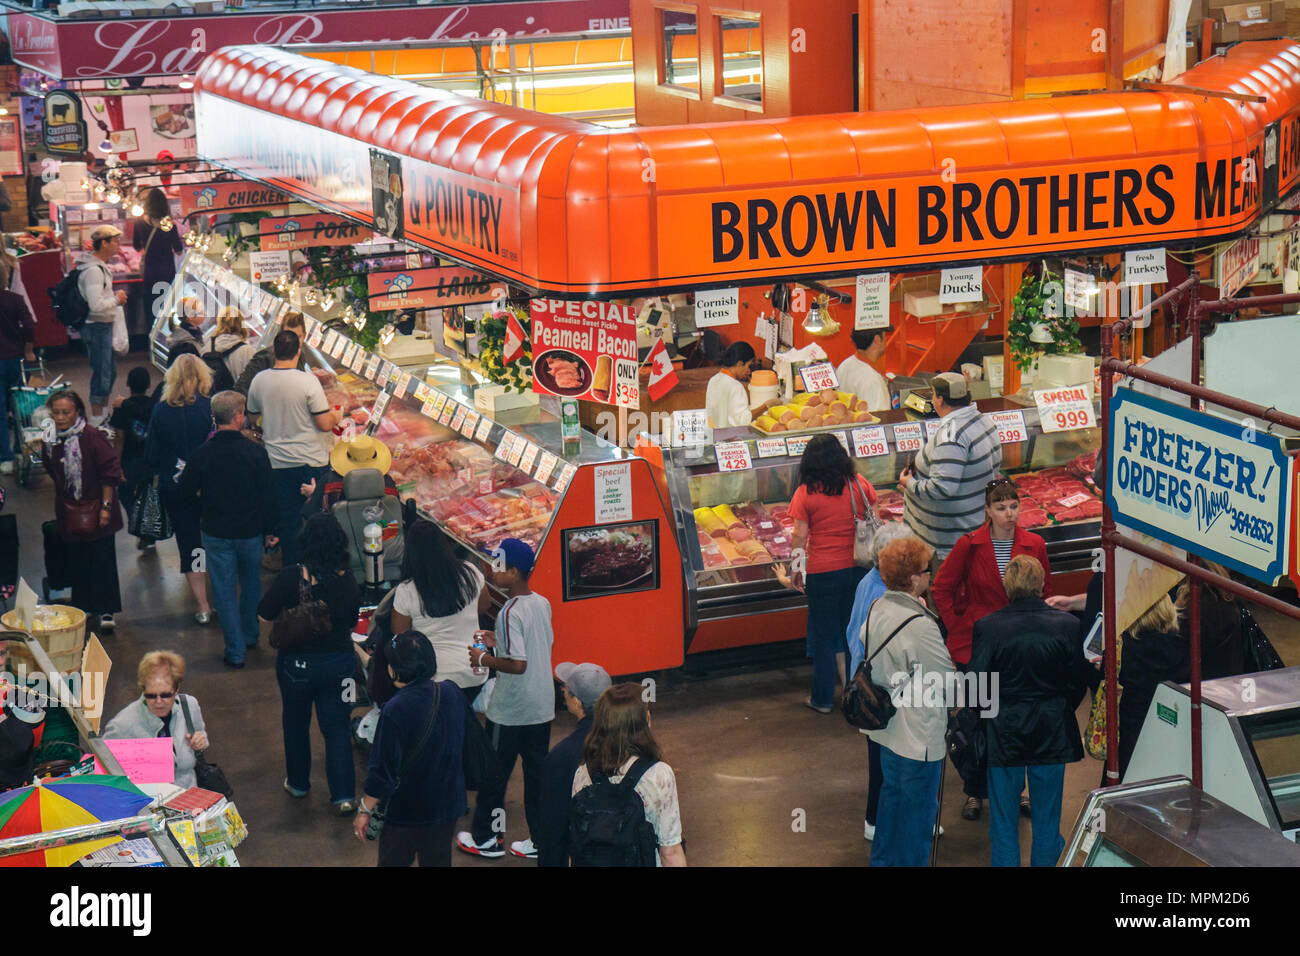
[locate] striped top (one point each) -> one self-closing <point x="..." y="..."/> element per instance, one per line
<point x="945" y="499"/>
<point x="1002" y="551"/>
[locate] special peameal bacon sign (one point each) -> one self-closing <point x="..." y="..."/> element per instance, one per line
<point x="98" y="49"/>
<point x="562" y="207"/>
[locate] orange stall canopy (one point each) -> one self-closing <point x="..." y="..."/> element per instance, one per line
<point x="566" y="208"/>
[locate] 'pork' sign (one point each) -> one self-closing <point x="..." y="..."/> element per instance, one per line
<point x="300" y="232"/>
<point x="1209" y="485"/>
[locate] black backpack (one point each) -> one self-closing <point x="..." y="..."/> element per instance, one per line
<point x="607" y="824"/>
<point x="70" y="306"/>
<point x="216" y="363"/>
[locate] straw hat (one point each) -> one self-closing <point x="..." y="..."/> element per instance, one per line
<point x="360" y="452"/>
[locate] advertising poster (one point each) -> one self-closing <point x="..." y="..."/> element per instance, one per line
<point x="301" y="232"/>
<point x="432" y="288"/>
<point x="240" y="194"/>
<point x="1200" y="482"/>
<point x="576" y="346"/>
<point x="386" y="194"/>
<point x="11" y="147"/>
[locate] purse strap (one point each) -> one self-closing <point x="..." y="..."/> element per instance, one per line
<point x="914" y="617"/>
<point x="304" y="586"/>
<point x="419" y="747"/>
<point x="148" y="242"/>
<point x="185" y="710"/>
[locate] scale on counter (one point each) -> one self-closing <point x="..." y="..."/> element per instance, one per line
<point x="1169" y="822"/>
<point x="1250" y="743"/>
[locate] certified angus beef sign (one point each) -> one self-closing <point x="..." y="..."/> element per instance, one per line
<point x="1215" y="487"/>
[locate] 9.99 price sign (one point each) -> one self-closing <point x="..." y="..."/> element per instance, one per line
<point x="1065" y="409"/>
<point x="627" y="389"/>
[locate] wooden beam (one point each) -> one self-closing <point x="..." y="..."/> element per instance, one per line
<point x="1199" y="91"/>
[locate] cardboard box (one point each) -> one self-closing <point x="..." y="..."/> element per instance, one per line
<point x="491" y="400"/>
<point x="1249" y="21"/>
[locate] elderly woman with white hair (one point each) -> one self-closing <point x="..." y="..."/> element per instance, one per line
<point x="154" y="713"/>
<point x="870" y="588"/>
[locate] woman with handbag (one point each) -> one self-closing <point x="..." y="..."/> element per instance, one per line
<point x="907" y="653"/>
<point x="154" y="713"/>
<point x="1036" y="653"/>
<point x="415" y="787"/>
<point x="830" y="494"/>
<point x="86" y="473"/>
<point x="1154" y="652"/>
<point x="158" y="248"/>
<point x="178" y="427"/>
<point x="312" y="608"/>
<point x="968" y="586"/>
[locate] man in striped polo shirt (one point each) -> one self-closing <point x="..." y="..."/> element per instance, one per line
<point x="944" y="490"/>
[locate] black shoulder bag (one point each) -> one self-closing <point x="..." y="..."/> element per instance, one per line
<point x="305" y="623"/>
<point x="866" y="704"/>
<point x="375" y="823"/>
<point x="207" y="775"/>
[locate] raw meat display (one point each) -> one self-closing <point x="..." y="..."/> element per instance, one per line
<point x="566" y="374"/>
<point x="1057" y="493"/>
<point x="744" y="534"/>
<point x="889" y="505"/>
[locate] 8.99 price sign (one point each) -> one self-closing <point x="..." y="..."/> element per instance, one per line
<point x="1065" y="409"/>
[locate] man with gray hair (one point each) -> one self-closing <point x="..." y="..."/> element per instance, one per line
<point x="870" y="588"/>
<point x="231" y="477"/>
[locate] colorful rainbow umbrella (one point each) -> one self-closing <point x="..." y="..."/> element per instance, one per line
<point x="66" y="802"/>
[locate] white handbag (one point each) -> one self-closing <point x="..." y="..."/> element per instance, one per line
<point x="864" y="527"/>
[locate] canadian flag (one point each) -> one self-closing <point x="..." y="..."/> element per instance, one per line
<point x="515" y="338"/>
<point x="662" y="376"/>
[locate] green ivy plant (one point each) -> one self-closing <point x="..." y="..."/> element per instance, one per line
<point x="518" y="375"/>
<point x="1034" y="305"/>
<point x="235" y="239"/>
<point x="334" y="270"/>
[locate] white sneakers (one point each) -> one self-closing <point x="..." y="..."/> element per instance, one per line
<point x="493" y="848"/>
<point x="524" y="849"/>
<point x="6" y="467"/>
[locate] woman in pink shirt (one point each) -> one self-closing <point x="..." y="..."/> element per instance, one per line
<point x="823" y="528"/>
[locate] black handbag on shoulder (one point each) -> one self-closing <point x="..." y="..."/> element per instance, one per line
<point x="305" y="623"/>
<point x="967" y="744"/>
<point x="866" y="704"/>
<point x="208" y="776"/>
<point x="1258" y="652"/>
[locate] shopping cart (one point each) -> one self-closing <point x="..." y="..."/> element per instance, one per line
<point x="26" y="409"/>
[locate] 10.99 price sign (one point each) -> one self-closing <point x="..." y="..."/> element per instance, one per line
<point x="1065" y="409"/>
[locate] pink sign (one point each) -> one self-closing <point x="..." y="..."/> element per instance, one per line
<point x="97" y="49"/>
<point x="144" y="759"/>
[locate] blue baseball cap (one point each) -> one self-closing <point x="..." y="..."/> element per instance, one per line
<point x="516" y="554"/>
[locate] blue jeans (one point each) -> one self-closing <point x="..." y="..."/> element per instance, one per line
<point x="11" y="375"/>
<point x="307" y="679"/>
<point x="830" y="604"/>
<point x="909" y="804"/>
<point x="98" y="339"/>
<point x="289" y="502"/>
<point x="1045" y="785"/>
<point x="235" y="570"/>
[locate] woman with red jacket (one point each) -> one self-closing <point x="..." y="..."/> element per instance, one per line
<point x="969" y="587"/>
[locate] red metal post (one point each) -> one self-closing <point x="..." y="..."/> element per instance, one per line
<point x="1108" y="570"/>
<point x="1194" y="632"/>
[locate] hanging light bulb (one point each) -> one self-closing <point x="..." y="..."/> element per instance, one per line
<point x="113" y="197"/>
<point x="326" y="301"/>
<point x="187" y="82"/>
<point x="4" y="111"/>
<point x="105" y="145"/>
<point x="361" y="321"/>
<point x="348" y="315"/>
<point x="191" y="238"/>
<point x="137" y="209"/>
<point x="386" y="333"/>
<point x="228" y="254"/>
<point x="813" y="321"/>
<point x="166" y="224"/>
<point x="91" y="206"/>
<point x="310" y="296"/>
<point x="99" y="190"/>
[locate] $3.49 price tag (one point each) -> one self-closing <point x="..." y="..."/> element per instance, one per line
<point x="907" y="436"/>
<point x="870" y="442"/>
<point x="627" y="389"/>
<point x="819" y="376"/>
<point x="733" y="456"/>
<point x="1010" y="426"/>
<point x="1065" y="409"/>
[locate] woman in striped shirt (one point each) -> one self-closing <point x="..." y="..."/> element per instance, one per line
<point x="969" y="585"/>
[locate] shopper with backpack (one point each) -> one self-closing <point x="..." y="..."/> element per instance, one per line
<point x="625" y="810"/>
<point x="582" y="685"/>
<point x="226" y="349"/>
<point x="95" y="284"/>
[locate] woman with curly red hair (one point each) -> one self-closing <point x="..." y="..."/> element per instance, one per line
<point x="909" y="657"/>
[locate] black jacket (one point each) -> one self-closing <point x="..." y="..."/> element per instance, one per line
<point x="231" y="476"/>
<point x="1037" y="654"/>
<point x="557" y="788"/>
<point x="1221" y="641"/>
<point x="1149" y="659"/>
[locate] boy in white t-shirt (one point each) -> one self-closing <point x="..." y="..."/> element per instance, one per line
<point x="522" y="705"/>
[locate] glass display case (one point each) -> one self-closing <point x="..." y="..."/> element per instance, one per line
<point x="734" y="526"/>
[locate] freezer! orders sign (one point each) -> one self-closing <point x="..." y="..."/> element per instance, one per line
<point x="1212" y="486"/>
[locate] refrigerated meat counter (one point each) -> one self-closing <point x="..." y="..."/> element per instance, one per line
<point x="733" y="526"/>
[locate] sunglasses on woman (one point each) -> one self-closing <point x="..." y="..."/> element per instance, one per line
<point x="168" y="695"/>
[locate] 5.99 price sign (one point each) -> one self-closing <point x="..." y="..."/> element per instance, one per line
<point x="1010" y="426"/>
<point x="1065" y="409"/>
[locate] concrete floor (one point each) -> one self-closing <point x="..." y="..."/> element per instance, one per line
<point x="762" y="780"/>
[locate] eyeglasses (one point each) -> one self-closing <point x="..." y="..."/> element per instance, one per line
<point x="1000" y="481"/>
<point x="168" y="695"/>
